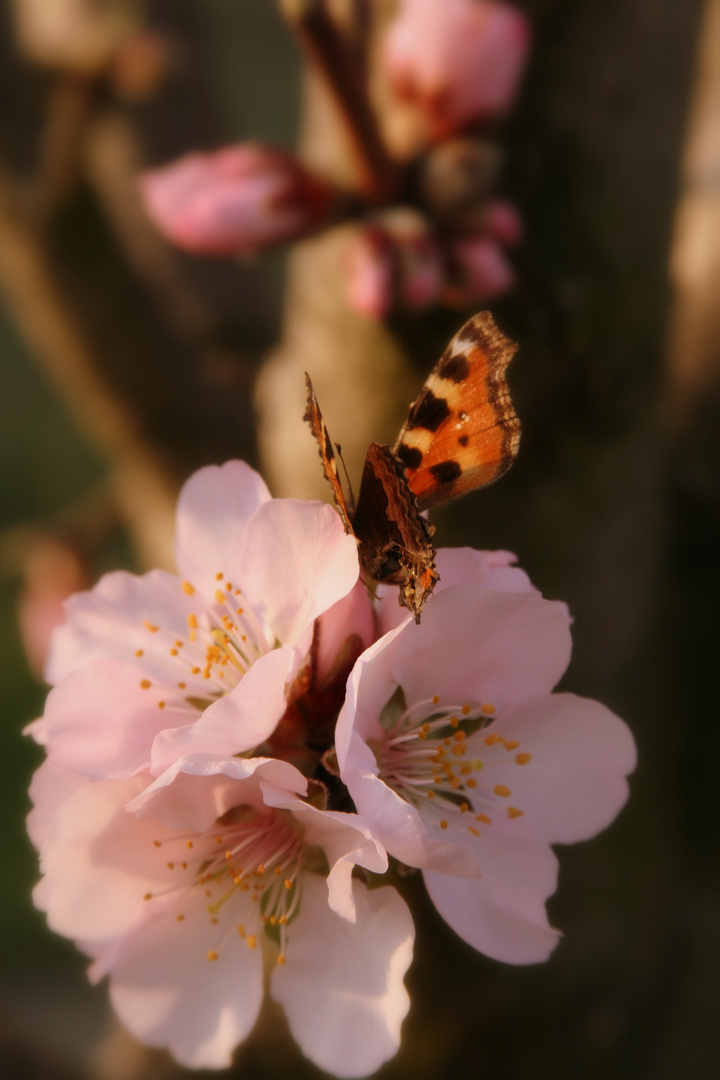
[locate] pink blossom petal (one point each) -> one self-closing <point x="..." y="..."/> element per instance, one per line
<point x="100" y="722"/>
<point x="195" y="791"/>
<point x="520" y="648"/>
<point x="111" y="622"/>
<point x="502" y="914"/>
<point x="214" y="508"/>
<point x="342" y="987"/>
<point x="574" y="785"/>
<point x="236" y="723"/>
<point x="401" y="828"/>
<point x="50" y="788"/>
<point x="99" y="863"/>
<point x="170" y="994"/>
<point x="369" y="688"/>
<point x="297" y="561"/>
<point x="352" y="616"/>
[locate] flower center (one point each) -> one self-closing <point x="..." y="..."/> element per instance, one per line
<point x="219" y="645"/>
<point x="247" y="864"/>
<point x="445" y="760"/>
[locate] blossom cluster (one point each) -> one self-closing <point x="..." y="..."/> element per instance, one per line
<point x="437" y="235"/>
<point x="236" y="755"/>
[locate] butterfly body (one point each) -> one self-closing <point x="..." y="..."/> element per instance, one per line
<point x="461" y="434"/>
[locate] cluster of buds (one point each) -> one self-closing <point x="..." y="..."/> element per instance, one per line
<point x="435" y="234"/>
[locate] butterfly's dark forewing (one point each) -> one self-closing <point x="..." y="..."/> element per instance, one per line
<point x="395" y="540"/>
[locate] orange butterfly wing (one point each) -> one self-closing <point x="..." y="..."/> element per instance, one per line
<point x="462" y="432"/>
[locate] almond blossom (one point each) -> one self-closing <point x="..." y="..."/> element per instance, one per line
<point x="466" y="765"/>
<point x="203" y="660"/>
<point x="178" y="886"/>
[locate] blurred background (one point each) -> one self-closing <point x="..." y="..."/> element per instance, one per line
<point x="127" y="364"/>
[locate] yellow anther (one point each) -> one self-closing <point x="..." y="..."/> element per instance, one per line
<point x="523" y="759"/>
<point x="156" y="843"/>
<point x="459" y="749"/>
<point x="214" y="921"/>
<point x="492" y="739"/>
<point x="212" y="955"/>
<point x="188" y="843"/>
<point x="170" y="865"/>
<point x="502" y="791"/>
<point x="161" y="704"/>
<point x="147" y="896"/>
<point x="195" y="670"/>
<point x="464" y="807"/>
<point x="436" y="699"/>
<point x="277" y="871"/>
<point x="511" y="744"/>
<point x="443" y="824"/>
<point x="180" y="918"/>
<point x="465" y="770"/>
<point x="173" y="652"/>
<point x="182" y="686"/>
<point x="513" y="812"/>
<point x="281" y="959"/>
<point x="484" y="819"/>
<point x="454" y="722"/>
<point x="220" y="596"/>
<point x="228" y="586"/>
<point x="471" y="783"/>
<point x="150" y="627"/>
<point x="187" y="588"/>
<point x="239" y="611"/>
<point x="465" y="710"/>
<point x="140" y="652"/>
<point x="219" y="576"/>
<point x="192" y="621"/>
<point x="183" y="865"/>
<point x="431" y="794"/>
<point x="241" y="930"/>
<point x="252" y="941"/>
<point x="288" y="883"/>
<point x="145" y="684"/>
<point x="473" y="830"/>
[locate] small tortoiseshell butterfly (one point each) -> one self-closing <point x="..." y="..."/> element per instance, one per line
<point x="461" y="433"/>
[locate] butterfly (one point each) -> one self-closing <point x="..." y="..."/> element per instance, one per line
<point x="461" y="434"/>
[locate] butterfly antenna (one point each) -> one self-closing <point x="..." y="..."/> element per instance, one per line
<point x="338" y="447"/>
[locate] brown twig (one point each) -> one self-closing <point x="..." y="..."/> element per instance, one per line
<point x="338" y="64"/>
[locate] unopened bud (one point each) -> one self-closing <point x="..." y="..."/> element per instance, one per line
<point x="235" y="201"/>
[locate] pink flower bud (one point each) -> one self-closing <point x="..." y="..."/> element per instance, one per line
<point x="483" y="271"/>
<point x="503" y="223"/>
<point x="459" y="60"/>
<point x="234" y="201"/>
<point x="371" y="270"/>
<point x="396" y="259"/>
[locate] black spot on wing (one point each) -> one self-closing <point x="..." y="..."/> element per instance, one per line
<point x="456" y="369"/>
<point x="410" y="456"/>
<point x="447" y="472"/>
<point x="429" y="412"/>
